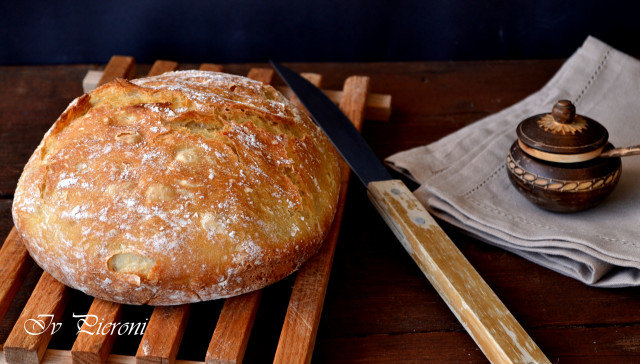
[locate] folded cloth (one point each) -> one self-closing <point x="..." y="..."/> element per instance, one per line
<point x="464" y="181"/>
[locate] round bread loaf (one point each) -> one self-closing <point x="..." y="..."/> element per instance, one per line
<point x="177" y="188"/>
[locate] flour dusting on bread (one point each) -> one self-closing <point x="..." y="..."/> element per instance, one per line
<point x="187" y="186"/>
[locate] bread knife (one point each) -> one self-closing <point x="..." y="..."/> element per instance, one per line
<point x="475" y="305"/>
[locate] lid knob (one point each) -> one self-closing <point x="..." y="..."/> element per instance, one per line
<point x="563" y="112"/>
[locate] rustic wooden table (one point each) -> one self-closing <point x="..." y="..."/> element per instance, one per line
<point x="378" y="307"/>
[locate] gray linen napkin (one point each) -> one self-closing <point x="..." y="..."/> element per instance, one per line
<point x="464" y="181"/>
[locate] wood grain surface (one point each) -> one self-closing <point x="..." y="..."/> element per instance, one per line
<point x="229" y="340"/>
<point x="161" y="66"/>
<point x="13" y="271"/>
<point x="122" y="67"/>
<point x="378" y="305"/>
<point x="38" y="322"/>
<point x="90" y="348"/>
<point x="163" y="334"/>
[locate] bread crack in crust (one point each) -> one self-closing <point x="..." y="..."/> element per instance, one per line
<point x="177" y="188"/>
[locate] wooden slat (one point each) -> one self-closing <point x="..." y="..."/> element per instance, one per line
<point x="297" y="338"/>
<point x="118" y="67"/>
<point x="91" y="79"/>
<point x="161" y="340"/>
<point x="95" y="348"/>
<point x="354" y="96"/>
<point x="48" y="298"/>
<point x="161" y="66"/>
<point x="377" y="106"/>
<point x="53" y="356"/>
<point x="232" y="332"/>
<point x="89" y="348"/>
<point x="15" y="266"/>
<point x="211" y="67"/>
<point x="264" y="75"/>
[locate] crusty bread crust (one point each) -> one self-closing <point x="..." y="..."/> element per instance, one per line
<point x="177" y="188"/>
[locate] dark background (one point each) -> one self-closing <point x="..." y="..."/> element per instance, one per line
<point x="36" y="32"/>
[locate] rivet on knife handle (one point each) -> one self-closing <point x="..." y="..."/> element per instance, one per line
<point x="476" y="306"/>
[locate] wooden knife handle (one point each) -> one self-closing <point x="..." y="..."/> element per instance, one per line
<point x="476" y="306"/>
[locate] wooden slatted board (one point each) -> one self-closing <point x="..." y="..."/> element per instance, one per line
<point x="165" y="328"/>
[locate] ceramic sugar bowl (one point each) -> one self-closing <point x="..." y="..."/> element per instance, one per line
<point x="564" y="162"/>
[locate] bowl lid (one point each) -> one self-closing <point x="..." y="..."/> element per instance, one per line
<point x="562" y="132"/>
